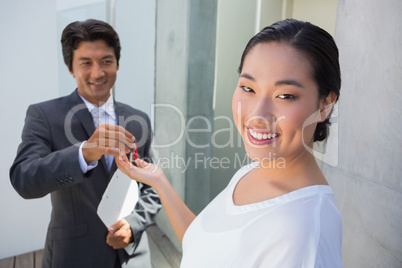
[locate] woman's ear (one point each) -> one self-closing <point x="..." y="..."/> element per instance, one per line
<point x="326" y="105"/>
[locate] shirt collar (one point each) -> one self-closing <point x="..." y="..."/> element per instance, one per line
<point x="108" y="106"/>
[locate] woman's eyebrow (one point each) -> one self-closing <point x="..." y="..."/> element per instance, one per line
<point x="289" y="82"/>
<point x="279" y="83"/>
<point x="247" y="76"/>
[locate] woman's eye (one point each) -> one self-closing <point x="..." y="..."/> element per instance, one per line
<point x="286" y="96"/>
<point x="247" y="89"/>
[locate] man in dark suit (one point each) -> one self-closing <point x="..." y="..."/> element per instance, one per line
<point x="63" y="152"/>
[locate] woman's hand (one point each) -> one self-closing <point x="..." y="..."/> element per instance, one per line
<point x="145" y="172"/>
<point x="179" y="214"/>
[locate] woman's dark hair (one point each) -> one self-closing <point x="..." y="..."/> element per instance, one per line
<point x="320" y="49"/>
<point x="89" y="30"/>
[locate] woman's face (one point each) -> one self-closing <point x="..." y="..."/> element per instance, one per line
<point x="275" y="96"/>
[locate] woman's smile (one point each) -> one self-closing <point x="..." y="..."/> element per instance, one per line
<point x="261" y="136"/>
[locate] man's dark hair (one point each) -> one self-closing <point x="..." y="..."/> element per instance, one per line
<point x="89" y="30"/>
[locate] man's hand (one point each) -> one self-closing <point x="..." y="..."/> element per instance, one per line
<point x="104" y="139"/>
<point x="119" y="235"/>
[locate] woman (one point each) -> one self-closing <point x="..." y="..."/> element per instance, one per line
<point x="269" y="215"/>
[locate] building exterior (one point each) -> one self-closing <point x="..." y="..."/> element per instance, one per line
<point x="179" y="64"/>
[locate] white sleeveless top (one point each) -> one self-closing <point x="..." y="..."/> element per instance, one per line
<point x="300" y="229"/>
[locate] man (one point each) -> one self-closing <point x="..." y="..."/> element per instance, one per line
<point x="63" y="152"/>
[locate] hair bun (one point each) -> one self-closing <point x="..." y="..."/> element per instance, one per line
<point x="322" y="130"/>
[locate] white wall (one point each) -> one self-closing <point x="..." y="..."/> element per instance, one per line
<point x="32" y="71"/>
<point x="28" y="75"/>
<point x="136" y="26"/>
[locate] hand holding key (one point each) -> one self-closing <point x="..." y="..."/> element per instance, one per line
<point x="108" y="139"/>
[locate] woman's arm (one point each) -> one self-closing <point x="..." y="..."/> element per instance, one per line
<point x="179" y="214"/>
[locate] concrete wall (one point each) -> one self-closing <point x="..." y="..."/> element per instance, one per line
<point x="367" y="181"/>
<point x="232" y="36"/>
<point x="171" y="79"/>
<point x="185" y="59"/>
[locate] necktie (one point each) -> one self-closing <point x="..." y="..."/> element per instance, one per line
<point x="98" y="115"/>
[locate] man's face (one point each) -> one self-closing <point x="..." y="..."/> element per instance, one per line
<point x="94" y="69"/>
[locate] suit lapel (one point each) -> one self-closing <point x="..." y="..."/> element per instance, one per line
<point x="80" y="110"/>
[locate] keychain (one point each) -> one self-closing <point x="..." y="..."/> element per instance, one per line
<point x="134" y="155"/>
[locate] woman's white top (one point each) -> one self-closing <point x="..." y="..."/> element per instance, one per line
<point x="300" y="229"/>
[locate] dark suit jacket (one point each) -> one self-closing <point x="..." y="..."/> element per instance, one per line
<point x="47" y="162"/>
